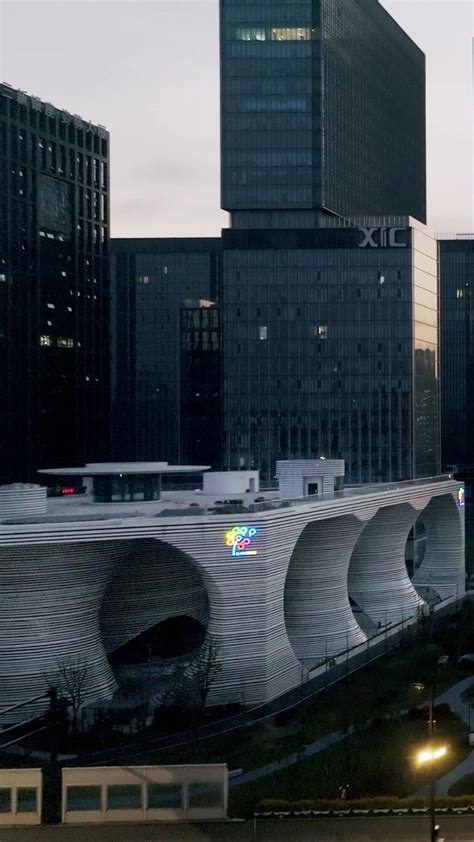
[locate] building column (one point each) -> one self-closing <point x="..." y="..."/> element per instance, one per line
<point x="442" y="573"/>
<point x="319" y="617"/>
<point x="378" y="578"/>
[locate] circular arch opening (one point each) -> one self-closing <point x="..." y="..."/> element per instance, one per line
<point x="154" y="617"/>
<point x="176" y="637"/>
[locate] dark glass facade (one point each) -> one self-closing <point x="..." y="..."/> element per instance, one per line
<point x="322" y="109"/>
<point x="331" y="349"/>
<point x="154" y="283"/>
<point x="54" y="288"/>
<point x="200" y="386"/>
<point x="456" y="263"/>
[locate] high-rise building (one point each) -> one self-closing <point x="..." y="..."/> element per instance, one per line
<point x="160" y="288"/>
<point x="54" y="287"/>
<point x="322" y="112"/>
<point x="456" y="271"/>
<point x="201" y="384"/>
<point x="330" y="348"/>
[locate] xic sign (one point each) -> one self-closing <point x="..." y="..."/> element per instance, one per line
<point x="375" y="238"/>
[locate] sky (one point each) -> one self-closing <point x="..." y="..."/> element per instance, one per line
<point x="149" y="71"/>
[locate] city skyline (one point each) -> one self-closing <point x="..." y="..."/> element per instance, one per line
<point x="172" y="187"/>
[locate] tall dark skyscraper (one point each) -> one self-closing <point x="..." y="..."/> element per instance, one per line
<point x="456" y="268"/>
<point x="165" y="349"/>
<point x="54" y="287"/>
<point x="322" y="110"/>
<point x="330" y="348"/>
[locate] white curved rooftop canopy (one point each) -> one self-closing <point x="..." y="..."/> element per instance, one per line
<point x="97" y="469"/>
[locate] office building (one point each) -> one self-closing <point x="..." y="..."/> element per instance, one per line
<point x="54" y="287"/>
<point x="154" y="283"/>
<point x="456" y="270"/>
<point x="322" y="113"/>
<point x="330" y="348"/>
<point x="280" y="588"/>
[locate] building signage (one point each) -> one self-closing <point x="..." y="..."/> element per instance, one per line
<point x="239" y="540"/>
<point x="461" y="496"/>
<point x="375" y="238"/>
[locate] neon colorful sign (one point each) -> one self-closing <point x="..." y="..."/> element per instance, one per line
<point x="239" y="539"/>
<point x="461" y="496"/>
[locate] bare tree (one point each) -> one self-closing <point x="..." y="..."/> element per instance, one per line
<point x="205" y="668"/>
<point x="71" y="678"/>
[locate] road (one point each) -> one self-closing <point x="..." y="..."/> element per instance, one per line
<point x="453" y="829"/>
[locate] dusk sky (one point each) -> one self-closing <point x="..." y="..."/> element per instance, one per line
<point x="149" y="72"/>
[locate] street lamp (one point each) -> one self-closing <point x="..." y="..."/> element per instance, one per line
<point x="432" y="753"/>
<point x="425" y="757"/>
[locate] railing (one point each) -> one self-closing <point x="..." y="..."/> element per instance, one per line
<point x="271" y="505"/>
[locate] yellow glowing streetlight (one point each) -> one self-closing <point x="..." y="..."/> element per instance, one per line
<point x="425" y="757"/>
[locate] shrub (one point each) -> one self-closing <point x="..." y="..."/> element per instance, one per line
<point x="442" y="710"/>
<point x="465" y="786"/>
<point x="380" y="802"/>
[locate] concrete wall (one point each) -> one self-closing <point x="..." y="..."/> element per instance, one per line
<point x="231" y="482"/>
<point x="144" y="793"/>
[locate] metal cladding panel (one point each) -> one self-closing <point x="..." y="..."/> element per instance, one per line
<point x="441" y="569"/>
<point x="378" y="577"/>
<point x="318" y="614"/>
<point x="153" y="582"/>
<point x="22" y="500"/>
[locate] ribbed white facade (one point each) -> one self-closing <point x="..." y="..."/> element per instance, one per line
<point x="85" y="587"/>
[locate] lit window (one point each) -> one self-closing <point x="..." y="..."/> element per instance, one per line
<point x="263" y="332"/>
<point x="251" y="34"/>
<point x="459" y="293"/>
<point x="65" y="342"/>
<point x="46" y="341"/>
<point x="291" y="33"/>
<point x="321" y="331"/>
<point x="3" y="278"/>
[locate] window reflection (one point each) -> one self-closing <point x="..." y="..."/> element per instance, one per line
<point x="276" y="33"/>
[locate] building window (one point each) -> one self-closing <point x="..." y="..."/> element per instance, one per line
<point x="251" y="34"/>
<point x="291" y="33"/>
<point x="65" y="342"/>
<point x="46" y="341"/>
<point x="459" y="293"/>
<point x="321" y="331"/>
<point x="263" y="332"/>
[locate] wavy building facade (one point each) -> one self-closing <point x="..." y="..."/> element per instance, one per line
<point x="281" y="585"/>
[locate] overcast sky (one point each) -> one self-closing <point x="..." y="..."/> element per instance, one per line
<point x="149" y="71"/>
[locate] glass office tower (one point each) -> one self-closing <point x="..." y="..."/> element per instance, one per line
<point x="330" y="348"/>
<point x="158" y="287"/>
<point x="456" y="267"/>
<point x="54" y="288"/>
<point x="322" y="112"/>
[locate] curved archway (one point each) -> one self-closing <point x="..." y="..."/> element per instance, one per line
<point x="318" y="615"/>
<point x="176" y="637"/>
<point x="154" y="584"/>
<point x="378" y="578"/>
<point x="154" y="581"/>
<point x="442" y="572"/>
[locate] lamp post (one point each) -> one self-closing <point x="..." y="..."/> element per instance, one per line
<point x="424" y="757"/>
<point x="432" y="753"/>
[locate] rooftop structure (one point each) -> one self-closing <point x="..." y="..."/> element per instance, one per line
<point x="125" y="481"/>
